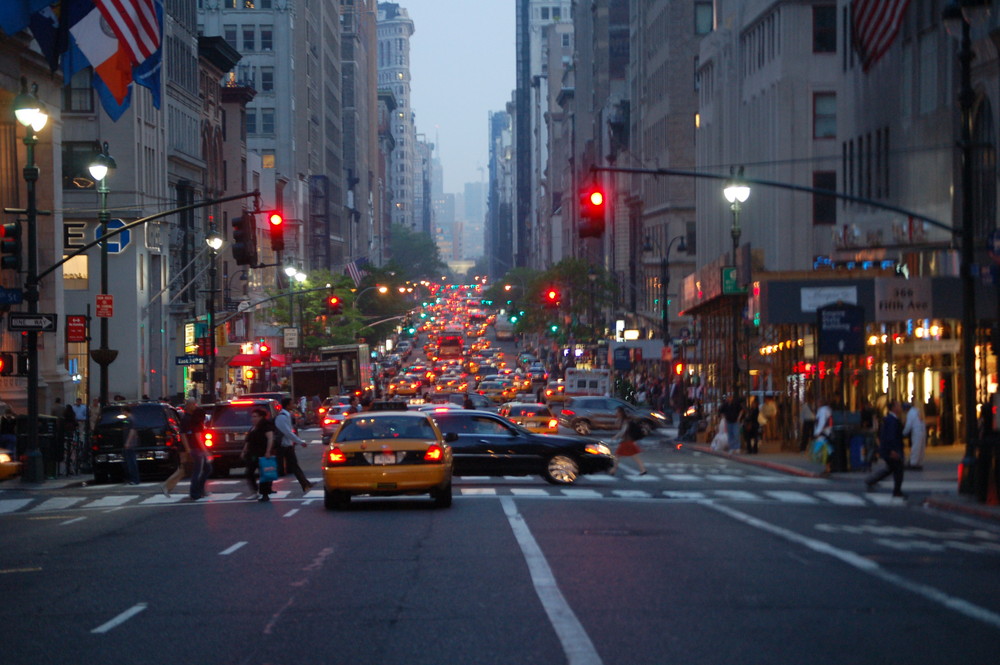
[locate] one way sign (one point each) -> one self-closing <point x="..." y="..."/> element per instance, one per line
<point x="18" y="322"/>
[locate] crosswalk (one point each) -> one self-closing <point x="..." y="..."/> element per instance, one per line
<point x="625" y="485"/>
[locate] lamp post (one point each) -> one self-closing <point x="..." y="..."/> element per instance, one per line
<point x="380" y="287"/>
<point x="736" y="192"/>
<point x="103" y="356"/>
<point x="665" y="282"/>
<point x="957" y="17"/>
<point x="30" y="112"/>
<point x="214" y="242"/>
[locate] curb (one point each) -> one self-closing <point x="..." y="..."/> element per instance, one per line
<point x="746" y="459"/>
<point x="975" y="510"/>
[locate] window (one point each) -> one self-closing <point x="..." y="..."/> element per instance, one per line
<point x="704" y="18"/>
<point x="565" y="40"/>
<point x="824" y="207"/>
<point x="824" y="115"/>
<point x="267" y="79"/>
<point x="251" y="121"/>
<point x="229" y="34"/>
<point x="266" y="38"/>
<point x="78" y="96"/>
<point x="825" y="29"/>
<point x="76" y="157"/>
<point x="267" y="159"/>
<point x="545" y="13"/>
<point x="249" y="39"/>
<point x="267" y="121"/>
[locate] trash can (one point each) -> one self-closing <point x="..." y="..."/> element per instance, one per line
<point x="43" y="461"/>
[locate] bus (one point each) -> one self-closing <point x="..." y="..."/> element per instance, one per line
<point x="450" y="343"/>
<point x="503" y="328"/>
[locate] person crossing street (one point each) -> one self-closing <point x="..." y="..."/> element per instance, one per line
<point x="286" y="440"/>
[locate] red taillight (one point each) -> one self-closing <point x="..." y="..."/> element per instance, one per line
<point x="242" y="401"/>
<point x="335" y="456"/>
<point x="434" y="453"/>
<point x="209" y="439"/>
<point x="553" y="423"/>
<point x="321" y="410"/>
<point x="567" y="412"/>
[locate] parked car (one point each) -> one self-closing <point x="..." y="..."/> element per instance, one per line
<point x="535" y="417"/>
<point x="386" y="453"/>
<point x="225" y="433"/>
<point x="583" y="414"/>
<point x="158" y="427"/>
<point x="487" y="444"/>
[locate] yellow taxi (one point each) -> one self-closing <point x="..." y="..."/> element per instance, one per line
<point x="9" y="466"/>
<point x="497" y="391"/>
<point x="534" y="417"/>
<point x="387" y="453"/>
<point x="408" y="384"/>
<point x="555" y="391"/>
<point x="450" y="383"/>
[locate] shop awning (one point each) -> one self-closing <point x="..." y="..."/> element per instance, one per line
<point x="253" y="360"/>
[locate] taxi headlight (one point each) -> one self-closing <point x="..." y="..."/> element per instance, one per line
<point x="658" y="415"/>
<point x="597" y="449"/>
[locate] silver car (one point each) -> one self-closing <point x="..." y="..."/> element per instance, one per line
<point x="583" y="414"/>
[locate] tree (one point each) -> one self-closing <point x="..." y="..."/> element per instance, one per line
<point x="415" y="256"/>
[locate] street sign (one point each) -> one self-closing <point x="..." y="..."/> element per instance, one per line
<point x="118" y="243"/>
<point x="20" y="322"/>
<point x="291" y="338"/>
<point x="76" y="328"/>
<point x="11" y="296"/>
<point x="189" y="359"/>
<point x="730" y="281"/>
<point x="105" y="306"/>
<point x="841" y="329"/>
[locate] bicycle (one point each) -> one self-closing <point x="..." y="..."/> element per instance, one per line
<point x="76" y="453"/>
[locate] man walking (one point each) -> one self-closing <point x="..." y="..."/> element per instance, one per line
<point x="891" y="450"/>
<point x="286" y="441"/>
<point x="192" y="428"/>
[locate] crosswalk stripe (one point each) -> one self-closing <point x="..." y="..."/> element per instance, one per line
<point x="159" y="498"/>
<point x="529" y="491"/>
<point x="631" y="494"/>
<point x="682" y="477"/>
<point x="575" y="493"/>
<point x="738" y="495"/>
<point x="478" y="491"/>
<point x="689" y="496"/>
<point x="57" y="503"/>
<point x="842" y="498"/>
<point x="791" y="496"/>
<point x="111" y="501"/>
<point x="724" y="478"/>
<point x="10" y="505"/>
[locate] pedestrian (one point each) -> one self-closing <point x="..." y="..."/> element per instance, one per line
<point x="807" y="422"/>
<point x="752" y="427"/>
<point x="630" y="433"/>
<point x="130" y="447"/>
<point x="891" y="451"/>
<point x="917" y="431"/>
<point x="824" y="422"/>
<point x="192" y="429"/>
<point x="732" y="412"/>
<point x="285" y="441"/>
<point x="183" y="462"/>
<point x="769" y="411"/>
<point x="259" y="443"/>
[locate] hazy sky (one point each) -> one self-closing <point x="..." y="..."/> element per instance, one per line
<point x="462" y="67"/>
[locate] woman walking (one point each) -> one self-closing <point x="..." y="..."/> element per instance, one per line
<point x="627" y="447"/>
<point x="259" y="443"/>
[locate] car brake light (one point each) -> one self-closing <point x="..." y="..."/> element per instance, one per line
<point x="567" y="412"/>
<point x="321" y="410"/>
<point x="209" y="439"/>
<point x="335" y="456"/>
<point x="242" y="401"/>
<point x="553" y="423"/>
<point x="434" y="453"/>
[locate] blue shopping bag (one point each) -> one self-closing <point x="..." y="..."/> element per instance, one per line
<point x="268" y="469"/>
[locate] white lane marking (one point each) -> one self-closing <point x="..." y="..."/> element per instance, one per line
<point x="631" y="494"/>
<point x="724" y="478"/>
<point x="291" y="512"/>
<point x="791" y="497"/>
<point x="10" y="505"/>
<point x="75" y="519"/>
<point x="528" y="491"/>
<point x="121" y="618"/>
<point x="57" y="503"/>
<point x="682" y="477"/>
<point x="842" y="498"/>
<point x="863" y="564"/>
<point x="575" y="642"/>
<point x="111" y="501"/>
<point x="159" y="498"/>
<point x="685" y="496"/>
<point x="233" y="548"/>
<point x="574" y="493"/>
<point x="737" y="495"/>
<point x="478" y="491"/>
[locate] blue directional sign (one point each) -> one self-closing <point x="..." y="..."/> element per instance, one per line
<point x="11" y="296"/>
<point x="118" y="243"/>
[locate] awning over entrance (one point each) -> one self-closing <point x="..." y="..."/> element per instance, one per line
<point x="253" y="360"/>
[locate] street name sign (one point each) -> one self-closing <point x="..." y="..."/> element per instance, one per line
<point x="19" y="322"/>
<point x="11" y="296"/>
<point x="190" y="359"/>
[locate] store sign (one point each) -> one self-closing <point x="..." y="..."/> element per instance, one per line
<point x="899" y="299"/>
<point x="841" y="330"/>
<point x="812" y="299"/>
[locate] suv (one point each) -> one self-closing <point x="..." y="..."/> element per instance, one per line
<point x="225" y="433"/>
<point x="158" y="427"/>
<point x="583" y="414"/>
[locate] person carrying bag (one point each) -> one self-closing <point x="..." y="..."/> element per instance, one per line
<point x="259" y="447"/>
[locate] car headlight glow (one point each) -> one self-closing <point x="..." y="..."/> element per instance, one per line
<point x="597" y="449"/>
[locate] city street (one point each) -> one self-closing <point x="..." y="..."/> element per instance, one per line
<point x="703" y="560"/>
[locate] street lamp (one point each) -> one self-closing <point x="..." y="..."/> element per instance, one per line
<point x="30" y="112"/>
<point x="214" y="242"/>
<point x="99" y="168"/>
<point x="736" y="192"/>
<point x="957" y="17"/>
<point x="665" y="281"/>
<point x="380" y="287"/>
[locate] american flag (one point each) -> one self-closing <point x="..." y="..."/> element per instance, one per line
<point x="136" y="25"/>
<point x="356" y="270"/>
<point x="875" y="24"/>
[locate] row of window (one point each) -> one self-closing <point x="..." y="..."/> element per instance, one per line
<point x="242" y="4"/>
<point x="253" y="35"/>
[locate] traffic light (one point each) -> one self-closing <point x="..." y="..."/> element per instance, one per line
<point x="334" y="305"/>
<point x="7" y="364"/>
<point x="678" y="368"/>
<point x="249" y="374"/>
<point x="276" y="226"/>
<point x="551" y="297"/>
<point x="10" y="246"/>
<point x="245" y="240"/>
<point x="265" y="351"/>
<point x="593" y="206"/>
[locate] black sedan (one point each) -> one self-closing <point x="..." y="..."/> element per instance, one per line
<point x="490" y="445"/>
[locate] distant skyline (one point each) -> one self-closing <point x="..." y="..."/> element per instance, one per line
<point x="462" y="68"/>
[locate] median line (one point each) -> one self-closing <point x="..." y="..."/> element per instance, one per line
<point x="121" y="618"/>
<point x="230" y="550"/>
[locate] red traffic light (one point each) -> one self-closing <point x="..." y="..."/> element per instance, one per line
<point x="264" y="349"/>
<point x="597" y="197"/>
<point x="249" y="374"/>
<point x="334" y="304"/>
<point x="276" y="227"/>
<point x="552" y="295"/>
<point x="593" y="202"/>
<point x="275" y="218"/>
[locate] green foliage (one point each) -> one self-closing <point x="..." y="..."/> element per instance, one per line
<point x="415" y="256"/>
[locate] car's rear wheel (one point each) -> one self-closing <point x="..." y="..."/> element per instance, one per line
<point x="442" y="496"/>
<point x="336" y="499"/>
<point x="561" y="470"/>
<point x="581" y="427"/>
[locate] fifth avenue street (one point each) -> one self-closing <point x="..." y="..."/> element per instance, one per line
<point x="703" y="560"/>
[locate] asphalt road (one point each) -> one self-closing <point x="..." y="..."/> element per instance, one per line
<point x="701" y="561"/>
